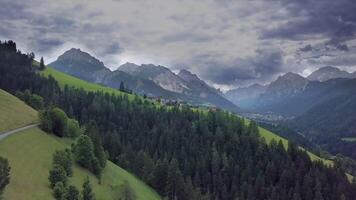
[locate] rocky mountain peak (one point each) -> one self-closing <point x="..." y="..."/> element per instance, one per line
<point x="287" y="84"/>
<point x="326" y="73"/>
<point x="188" y="76"/>
<point x="129" y="68"/>
<point x="75" y="56"/>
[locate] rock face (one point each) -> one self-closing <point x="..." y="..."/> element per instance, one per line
<point x="287" y="85"/>
<point x="245" y="96"/>
<point x="162" y="76"/>
<point x="149" y="79"/>
<point x="81" y="65"/>
<point x="327" y="73"/>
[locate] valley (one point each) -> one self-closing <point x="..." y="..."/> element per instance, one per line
<point x="172" y="149"/>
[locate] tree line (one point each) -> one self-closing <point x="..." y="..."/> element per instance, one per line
<point x="184" y="154"/>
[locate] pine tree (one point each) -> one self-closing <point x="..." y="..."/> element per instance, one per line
<point x="4" y="174"/>
<point x="64" y="159"/>
<point x="122" y="87"/>
<point x="93" y="132"/>
<point x="57" y="174"/>
<point x="127" y="192"/>
<point x="59" y="190"/>
<point x="42" y="65"/>
<point x="87" y="193"/>
<point x="72" y="193"/>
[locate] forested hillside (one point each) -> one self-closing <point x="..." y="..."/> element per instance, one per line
<point x="184" y="154"/>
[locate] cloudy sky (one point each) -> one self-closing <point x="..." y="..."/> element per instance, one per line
<point x="228" y="43"/>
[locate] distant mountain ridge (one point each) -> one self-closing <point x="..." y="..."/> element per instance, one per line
<point x="149" y="79"/>
<point x="326" y="73"/>
<point x="322" y="106"/>
<point x="290" y="94"/>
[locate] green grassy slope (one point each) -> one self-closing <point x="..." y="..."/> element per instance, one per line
<point x="30" y="156"/>
<point x="14" y="113"/>
<point x="269" y="136"/>
<point x="65" y="79"/>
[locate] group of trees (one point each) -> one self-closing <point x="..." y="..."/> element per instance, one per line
<point x="185" y="154"/>
<point x="58" y="177"/>
<point x="4" y="175"/>
<point x="55" y="120"/>
<point x="85" y="156"/>
<point x="88" y="150"/>
<point x="34" y="100"/>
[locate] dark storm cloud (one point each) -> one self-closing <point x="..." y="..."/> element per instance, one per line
<point x="333" y="19"/>
<point x="46" y="44"/>
<point x="187" y="36"/>
<point x="10" y="10"/>
<point x="114" y="48"/>
<point x="306" y="48"/>
<point x="263" y="65"/>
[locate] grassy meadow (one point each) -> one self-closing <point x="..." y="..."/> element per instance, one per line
<point x="31" y="163"/>
<point x="14" y="113"/>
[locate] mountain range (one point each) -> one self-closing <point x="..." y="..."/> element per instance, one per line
<point x="321" y="106"/>
<point x="290" y="94"/>
<point x="146" y="79"/>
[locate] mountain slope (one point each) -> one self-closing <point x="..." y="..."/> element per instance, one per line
<point x="245" y="96"/>
<point x="14" y="113"/>
<point x="30" y="156"/>
<point x="334" y="115"/>
<point x="81" y="65"/>
<point x="209" y="94"/>
<point x="327" y="73"/>
<point x="162" y="76"/>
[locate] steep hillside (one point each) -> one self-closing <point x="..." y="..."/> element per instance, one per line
<point x="72" y="81"/>
<point x="14" y="113"/>
<point x="65" y="79"/>
<point x="245" y="97"/>
<point x="335" y="115"/>
<point x="30" y="156"/>
<point x="80" y="64"/>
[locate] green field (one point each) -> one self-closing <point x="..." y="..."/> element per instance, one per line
<point x="30" y="156"/>
<point x="14" y="113"/>
<point x="65" y="79"/>
<point x="269" y="136"/>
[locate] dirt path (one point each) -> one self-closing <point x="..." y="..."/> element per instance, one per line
<point x="7" y="133"/>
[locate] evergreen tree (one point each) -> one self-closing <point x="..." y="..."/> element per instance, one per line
<point x="87" y="193"/>
<point x="93" y="132"/>
<point x="42" y="65"/>
<point x="72" y="193"/>
<point x="83" y="151"/>
<point x="73" y="128"/>
<point x="59" y="190"/>
<point x="57" y="174"/>
<point x="122" y="87"/>
<point x="4" y="174"/>
<point x="64" y="158"/>
<point x="127" y="192"/>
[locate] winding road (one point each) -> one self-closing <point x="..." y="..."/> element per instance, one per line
<point x="7" y="133"/>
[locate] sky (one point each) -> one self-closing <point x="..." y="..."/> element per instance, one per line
<point x="227" y="43"/>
